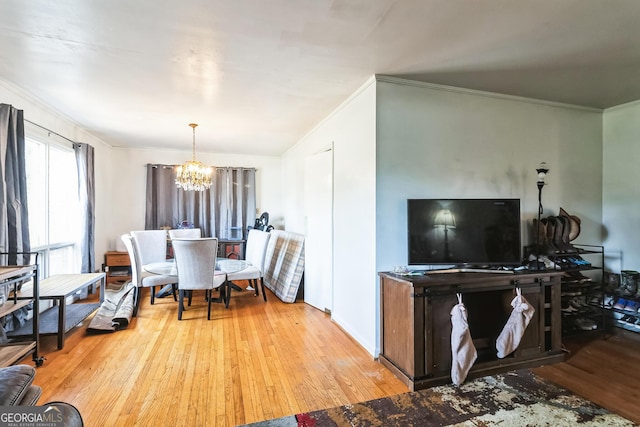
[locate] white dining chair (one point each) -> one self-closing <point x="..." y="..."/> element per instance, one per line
<point x="255" y="252"/>
<point x="151" y="245"/>
<point x="142" y="279"/>
<point x="185" y="233"/>
<point x="195" y="262"/>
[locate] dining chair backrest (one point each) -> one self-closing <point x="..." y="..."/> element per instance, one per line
<point x="151" y="245"/>
<point x="136" y="267"/>
<point x="256" y="250"/>
<point x="185" y="233"/>
<point x="195" y="261"/>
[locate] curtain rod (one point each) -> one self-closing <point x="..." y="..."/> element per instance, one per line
<point x="155" y="165"/>
<point x="50" y="131"/>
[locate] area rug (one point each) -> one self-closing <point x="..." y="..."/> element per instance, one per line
<point x="116" y="311"/>
<point x="517" y="398"/>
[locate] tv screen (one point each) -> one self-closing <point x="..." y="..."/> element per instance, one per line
<point x="470" y="232"/>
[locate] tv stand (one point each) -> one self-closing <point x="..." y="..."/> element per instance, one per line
<point x="415" y="322"/>
<point x="468" y="270"/>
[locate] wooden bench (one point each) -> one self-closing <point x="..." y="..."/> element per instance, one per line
<point x="62" y="317"/>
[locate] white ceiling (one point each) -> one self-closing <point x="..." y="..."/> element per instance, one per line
<point x="257" y="75"/>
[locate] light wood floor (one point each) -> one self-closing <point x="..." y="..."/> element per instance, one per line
<point x="258" y="361"/>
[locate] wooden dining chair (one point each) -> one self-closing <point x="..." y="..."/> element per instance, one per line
<point x="195" y="261"/>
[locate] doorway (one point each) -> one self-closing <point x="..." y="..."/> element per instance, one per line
<point x="318" y="205"/>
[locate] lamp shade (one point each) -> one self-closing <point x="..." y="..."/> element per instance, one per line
<point x="444" y="218"/>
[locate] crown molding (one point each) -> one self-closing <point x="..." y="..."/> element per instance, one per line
<point x="455" y="89"/>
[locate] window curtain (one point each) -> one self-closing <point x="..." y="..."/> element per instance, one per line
<point x="86" y="196"/>
<point x="223" y="211"/>
<point x="14" y="222"/>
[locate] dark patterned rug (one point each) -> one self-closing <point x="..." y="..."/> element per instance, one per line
<point x="517" y="398"/>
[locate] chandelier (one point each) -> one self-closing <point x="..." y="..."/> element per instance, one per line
<point x="193" y="175"/>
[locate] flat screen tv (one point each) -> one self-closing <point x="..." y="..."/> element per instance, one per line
<point x="464" y="232"/>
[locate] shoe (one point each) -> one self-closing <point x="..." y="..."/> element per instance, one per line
<point x="609" y="301"/>
<point x="621" y="304"/>
<point x="577" y="304"/>
<point x="568" y="309"/>
<point x="590" y="323"/>
<point x="628" y="319"/>
<point x="586" y="324"/>
<point x="596" y="300"/>
<point x="576" y="276"/>
<point x="550" y="265"/>
<point x="631" y="306"/>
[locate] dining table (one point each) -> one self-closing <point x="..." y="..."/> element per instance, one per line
<point x="168" y="268"/>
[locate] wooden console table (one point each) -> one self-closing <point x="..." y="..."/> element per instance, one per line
<point x="415" y="323"/>
<point x="62" y="317"/>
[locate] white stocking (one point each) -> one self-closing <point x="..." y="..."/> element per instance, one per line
<point x="511" y="334"/>
<point x="463" y="352"/>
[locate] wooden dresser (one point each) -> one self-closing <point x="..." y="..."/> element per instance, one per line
<point x="416" y="322"/>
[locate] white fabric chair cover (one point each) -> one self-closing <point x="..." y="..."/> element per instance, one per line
<point x="195" y="261"/>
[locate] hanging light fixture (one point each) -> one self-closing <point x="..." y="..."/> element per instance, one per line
<point x="193" y="175"/>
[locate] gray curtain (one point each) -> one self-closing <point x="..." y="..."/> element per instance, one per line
<point x="14" y="215"/>
<point x="224" y="211"/>
<point x="87" y="198"/>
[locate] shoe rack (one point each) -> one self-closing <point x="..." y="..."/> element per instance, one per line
<point x="581" y="286"/>
<point x="621" y="301"/>
<point x="582" y="290"/>
<point x="582" y="298"/>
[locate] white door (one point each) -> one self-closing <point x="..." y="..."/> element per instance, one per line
<point x="318" y="245"/>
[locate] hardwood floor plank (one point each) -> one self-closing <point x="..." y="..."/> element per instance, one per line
<point x="603" y="370"/>
<point x="257" y="361"/>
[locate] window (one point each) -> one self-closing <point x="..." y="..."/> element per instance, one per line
<point x="52" y="199"/>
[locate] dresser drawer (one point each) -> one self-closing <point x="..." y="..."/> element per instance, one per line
<point x="117" y="259"/>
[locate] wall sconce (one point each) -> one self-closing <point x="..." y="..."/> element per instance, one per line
<point x="542" y="170"/>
